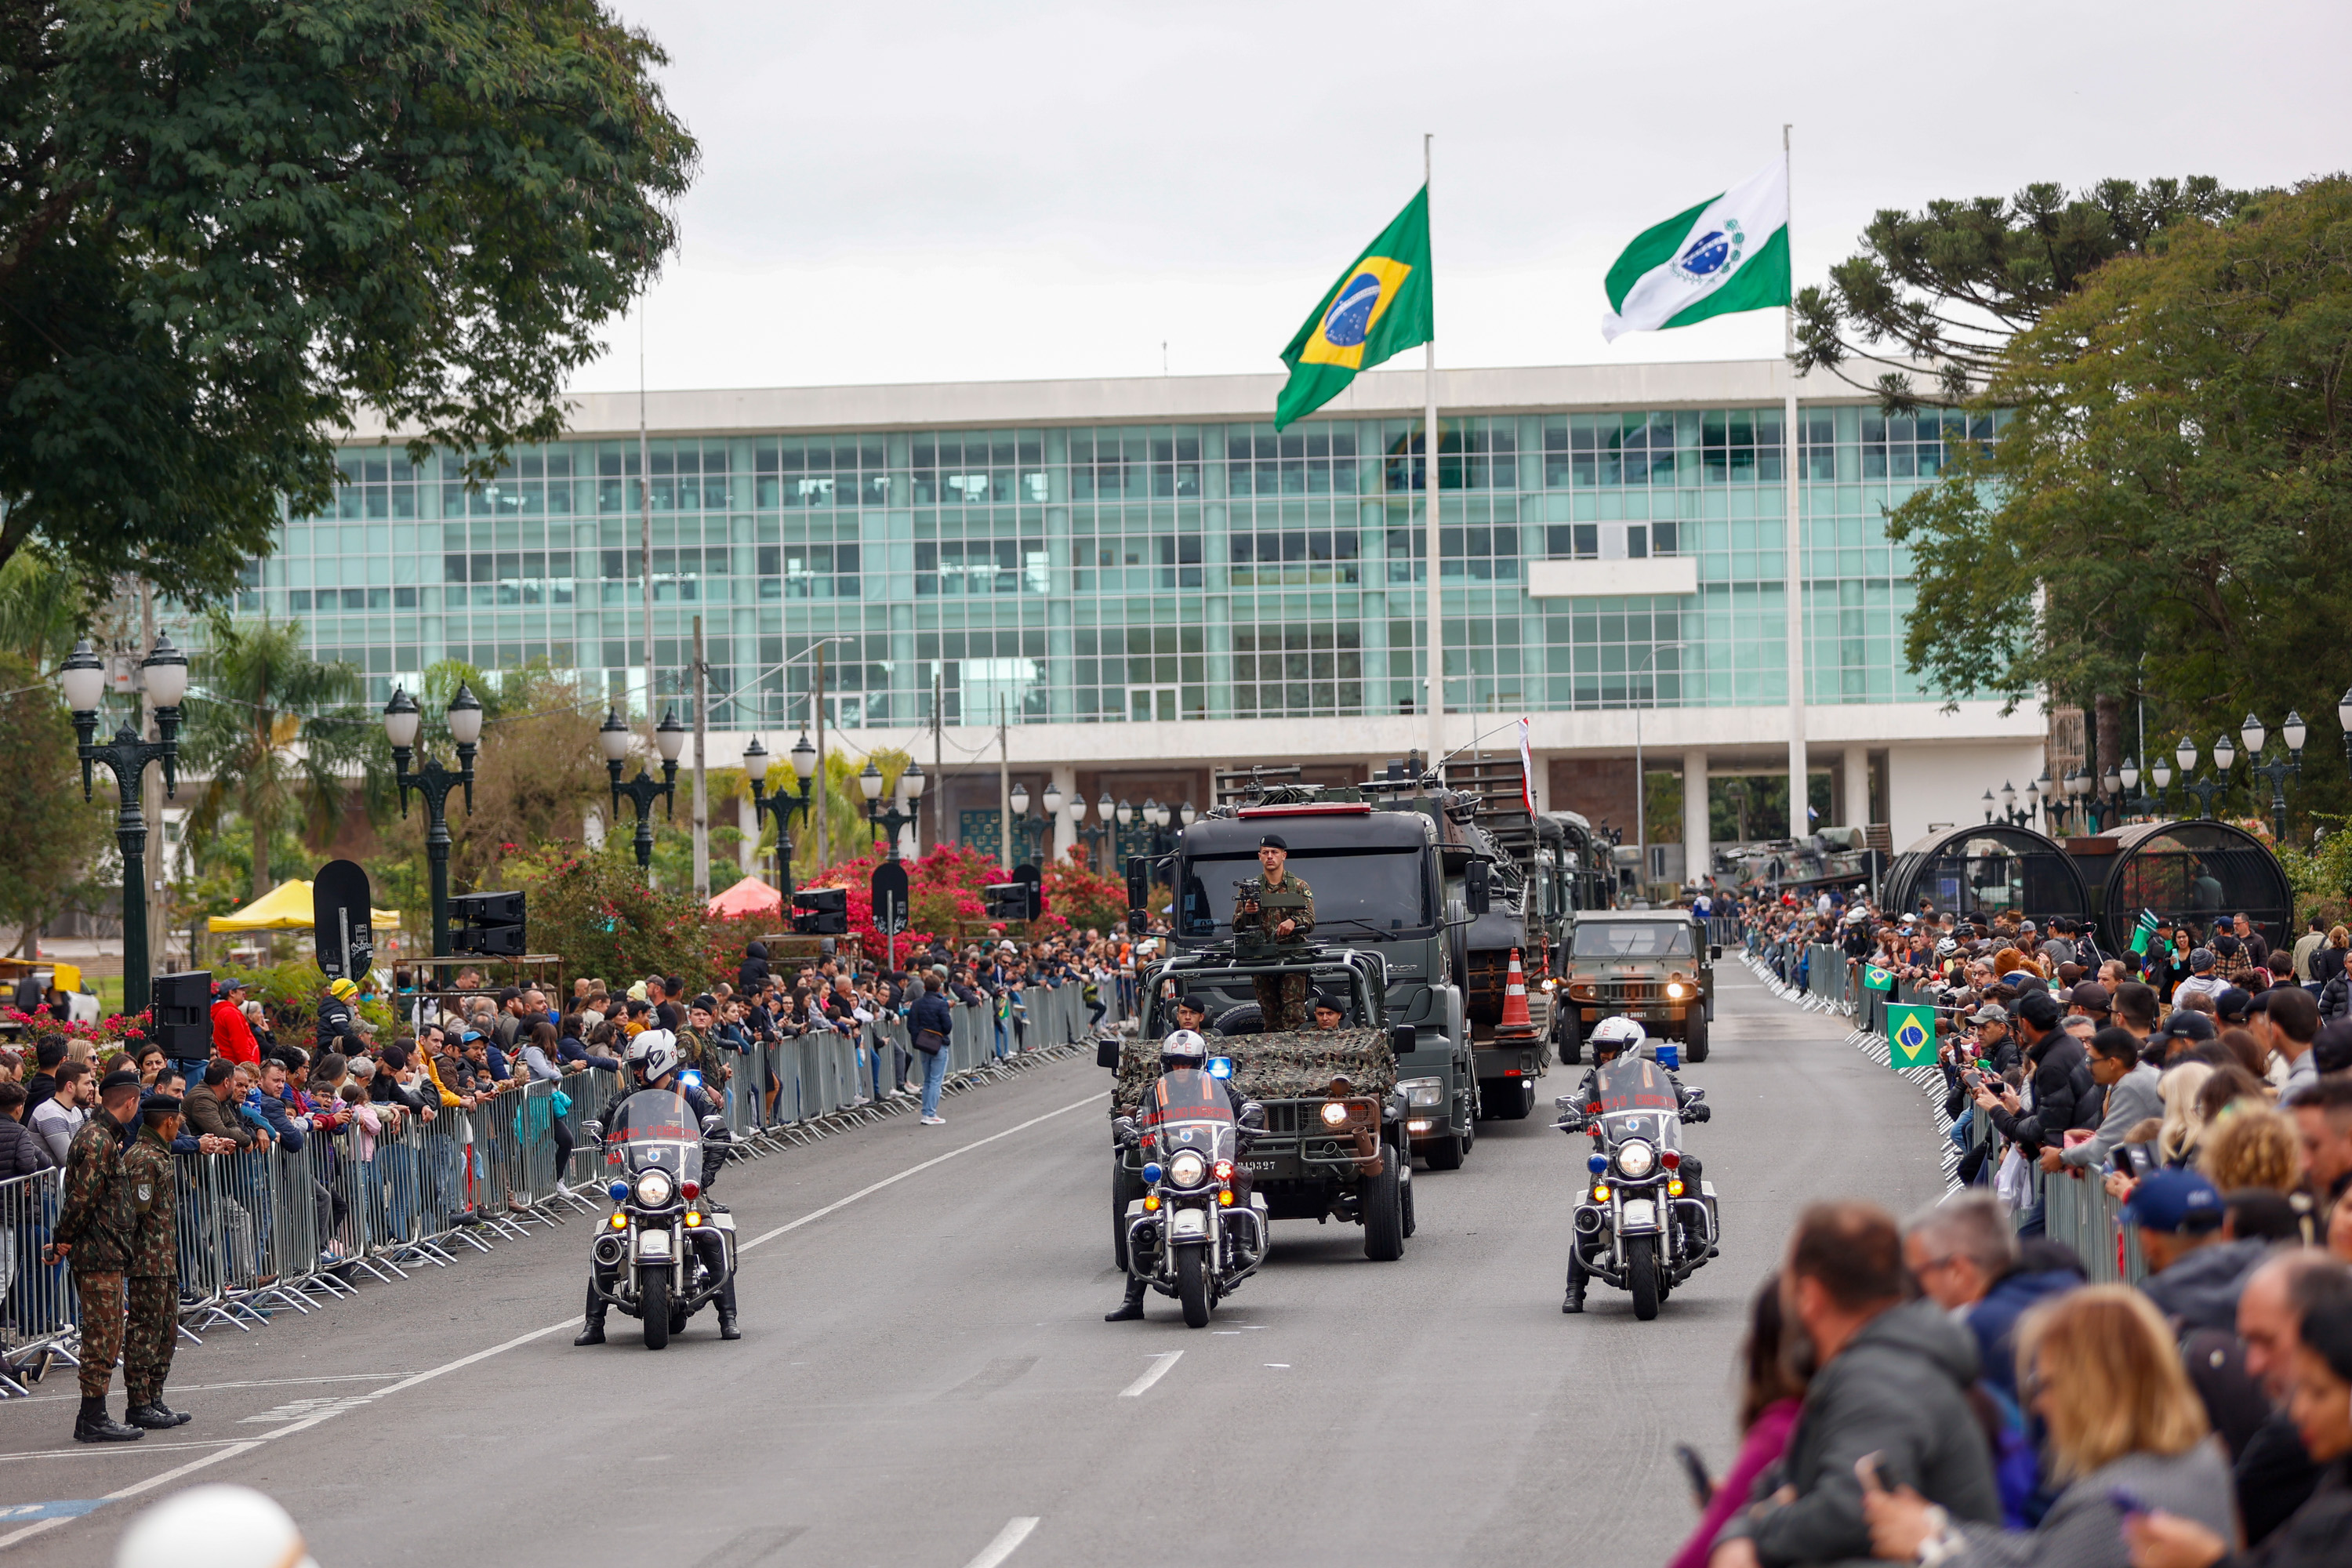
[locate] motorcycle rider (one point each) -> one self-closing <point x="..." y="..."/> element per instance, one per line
<point x="1613" y="1038"/>
<point x="1183" y="1049"/>
<point x="654" y="1068"/>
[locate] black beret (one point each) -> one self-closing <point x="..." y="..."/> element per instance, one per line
<point x="160" y="1105"/>
<point x="120" y="1078"/>
<point x="1274" y="841"/>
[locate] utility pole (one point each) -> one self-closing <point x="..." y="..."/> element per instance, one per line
<point x="821" y="777"/>
<point x="939" y="776"/>
<point x="701" y="772"/>
<point x="1003" y="788"/>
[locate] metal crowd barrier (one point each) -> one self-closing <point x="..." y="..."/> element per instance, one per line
<point x="265" y="1231"/>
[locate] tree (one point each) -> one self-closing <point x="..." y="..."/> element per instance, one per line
<point x="54" y="837"/>
<point x="2166" y="512"/>
<point x="226" y="229"/>
<point x="1950" y="284"/>
<point x="274" y="732"/>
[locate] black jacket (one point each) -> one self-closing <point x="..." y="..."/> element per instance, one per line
<point x="2063" y="1094"/>
<point x="336" y="1031"/>
<point x="22" y="1153"/>
<point x="2318" y="1536"/>
<point x="1898" y="1389"/>
<point x="2335" y="995"/>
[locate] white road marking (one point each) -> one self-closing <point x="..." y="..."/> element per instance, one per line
<point x="295" y="1409"/>
<point x="249" y="1383"/>
<point x="1007" y="1541"/>
<point x="1160" y="1365"/>
<point x="1018" y="1530"/>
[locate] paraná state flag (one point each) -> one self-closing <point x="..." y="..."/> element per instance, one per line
<point x="1876" y="979"/>
<point x="1383" y="304"/>
<point x="1910" y="1036"/>
<point x="1728" y="253"/>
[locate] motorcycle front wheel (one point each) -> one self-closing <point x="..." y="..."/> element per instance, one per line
<point x="1642" y="1274"/>
<point x="653" y="1301"/>
<point x="1192" y="1286"/>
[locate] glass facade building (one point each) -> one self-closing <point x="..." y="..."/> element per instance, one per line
<point x="1083" y="570"/>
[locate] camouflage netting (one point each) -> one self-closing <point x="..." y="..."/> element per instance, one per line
<point x="1298" y="1066"/>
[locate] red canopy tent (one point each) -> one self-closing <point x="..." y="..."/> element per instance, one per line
<point x="749" y="897"/>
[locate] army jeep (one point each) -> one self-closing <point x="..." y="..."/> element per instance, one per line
<point x="1652" y="965"/>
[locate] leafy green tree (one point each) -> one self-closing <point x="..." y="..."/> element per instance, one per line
<point x="1951" y="283"/>
<point x="54" y="839"/>
<point x="227" y="229"/>
<point x="275" y="733"/>
<point x="2166" y="514"/>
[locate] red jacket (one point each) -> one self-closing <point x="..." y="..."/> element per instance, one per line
<point x="232" y="1036"/>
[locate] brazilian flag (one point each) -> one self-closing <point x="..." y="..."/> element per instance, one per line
<point x="1876" y="979"/>
<point x="1910" y="1036"/>
<point x="1382" y="305"/>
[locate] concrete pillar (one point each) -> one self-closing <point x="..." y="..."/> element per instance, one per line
<point x="1857" y="787"/>
<point x="1066" y="779"/>
<point x="1696" y="860"/>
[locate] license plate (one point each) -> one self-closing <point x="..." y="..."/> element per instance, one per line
<point x="1191" y="1222"/>
<point x="653" y="1243"/>
<point x="1642" y="1213"/>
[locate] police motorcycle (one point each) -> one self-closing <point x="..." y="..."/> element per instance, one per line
<point x="665" y="1252"/>
<point x="1648" y="1219"/>
<point x="1198" y="1231"/>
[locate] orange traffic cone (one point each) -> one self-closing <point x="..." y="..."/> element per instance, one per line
<point x="1515" y="996"/>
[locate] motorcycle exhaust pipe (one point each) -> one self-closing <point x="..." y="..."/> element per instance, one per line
<point x="608" y="1250"/>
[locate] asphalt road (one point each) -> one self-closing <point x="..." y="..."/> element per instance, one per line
<point x="925" y="1377"/>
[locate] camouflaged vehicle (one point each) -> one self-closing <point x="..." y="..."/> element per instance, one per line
<point x="1334" y="1143"/>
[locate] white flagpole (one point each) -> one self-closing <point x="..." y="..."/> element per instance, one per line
<point x="1794" y="568"/>
<point x="1436" y="636"/>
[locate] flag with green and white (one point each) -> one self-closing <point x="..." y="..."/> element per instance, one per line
<point x="1876" y="979"/>
<point x="1910" y="1036"/>
<point x="1728" y="253"/>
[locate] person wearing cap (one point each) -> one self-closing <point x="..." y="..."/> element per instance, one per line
<point x="232" y="1036"/>
<point x="150" y="1324"/>
<point x="336" y="1030"/>
<point x="2194" y="1276"/>
<point x="92" y="1231"/>
<point x="1281" y="998"/>
<point x="2202" y="981"/>
<point x="1994" y="1042"/>
<point x="1328" y="1013"/>
<point x="1190" y="1013"/>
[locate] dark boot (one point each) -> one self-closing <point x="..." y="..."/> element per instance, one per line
<point x="593" y="1332"/>
<point x="155" y="1416"/>
<point x="728" y="1327"/>
<point x="1132" y="1308"/>
<point x="94" y="1425"/>
<point x="1574" y="1300"/>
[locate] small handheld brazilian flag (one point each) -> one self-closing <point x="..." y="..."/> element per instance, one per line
<point x="1910" y="1036"/>
<point x="1380" y="305"/>
<point x="1876" y="979"/>
<point x="2143" y="933"/>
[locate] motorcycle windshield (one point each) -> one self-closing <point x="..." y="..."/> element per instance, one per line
<point x="1189" y="1108"/>
<point x="1637" y="1100"/>
<point x="655" y="1127"/>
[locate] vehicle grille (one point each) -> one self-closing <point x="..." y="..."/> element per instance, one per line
<point x="1622" y="993"/>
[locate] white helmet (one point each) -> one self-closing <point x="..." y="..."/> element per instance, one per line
<point x="1185" y="1047"/>
<point x="227" y="1525"/>
<point x="1618" y="1033"/>
<point x="655" y="1055"/>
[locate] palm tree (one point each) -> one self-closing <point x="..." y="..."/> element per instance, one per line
<point x="273" y="732"/>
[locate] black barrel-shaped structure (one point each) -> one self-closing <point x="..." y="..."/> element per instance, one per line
<point x="2198" y="871"/>
<point x="1980" y="872"/>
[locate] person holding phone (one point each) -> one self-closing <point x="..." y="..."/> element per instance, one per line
<point x="2126" y="1433"/>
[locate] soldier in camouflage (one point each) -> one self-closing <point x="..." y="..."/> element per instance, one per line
<point x="94" y="1238"/>
<point x="153" y="1325"/>
<point x="1279" y="908"/>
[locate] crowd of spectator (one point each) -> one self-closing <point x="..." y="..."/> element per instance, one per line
<point x="1951" y="1390"/>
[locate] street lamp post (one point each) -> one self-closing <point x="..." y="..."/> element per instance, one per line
<point x="892" y="821"/>
<point x="1027" y="829"/>
<point x="669" y="738"/>
<point x="2137" y="803"/>
<point x="779" y="806"/>
<point x="1095" y="837"/>
<point x="2161" y="773"/>
<point x="2279" y="769"/>
<point x="2225" y="756"/>
<point x="434" y="781"/>
<point x="164" y="672"/>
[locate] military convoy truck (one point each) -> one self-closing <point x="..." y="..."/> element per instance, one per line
<point x="1654" y="965"/>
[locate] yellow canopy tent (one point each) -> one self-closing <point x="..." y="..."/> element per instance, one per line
<point x="287" y="907"/>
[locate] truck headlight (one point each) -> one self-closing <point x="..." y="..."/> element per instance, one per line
<point x="1676" y="990"/>
<point x="1420" y="1093"/>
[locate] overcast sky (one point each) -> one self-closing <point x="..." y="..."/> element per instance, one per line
<point x="941" y="191"/>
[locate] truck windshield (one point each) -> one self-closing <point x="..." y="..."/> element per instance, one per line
<point x="1382" y="888"/>
<point x="1630" y="939"/>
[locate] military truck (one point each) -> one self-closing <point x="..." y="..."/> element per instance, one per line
<point x="1831" y="858"/>
<point x="1654" y="965"/>
<point x="1334" y="1144"/>
<point x="1380" y="883"/>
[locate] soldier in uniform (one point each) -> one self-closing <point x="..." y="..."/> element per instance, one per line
<point x="1192" y="1013"/>
<point x="1329" y="1012"/>
<point x="93" y="1238"/>
<point x="152" y="1329"/>
<point x="1280" y="908"/>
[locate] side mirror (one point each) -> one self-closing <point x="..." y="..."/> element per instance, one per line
<point x="594" y="1129"/>
<point x="1139" y="885"/>
<point x="713" y="1125"/>
<point x="1107" y="1052"/>
<point x="1252" y="1117"/>
<point x="1477" y="891"/>
<point x="1402" y="1039"/>
<point x="1713" y="950"/>
<point x="1123" y="1132"/>
<point x="1139" y="922"/>
<point x="1698" y="1093"/>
